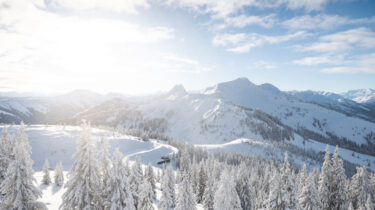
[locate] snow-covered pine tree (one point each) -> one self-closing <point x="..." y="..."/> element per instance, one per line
<point x="301" y="179"/>
<point x="351" y="206"/>
<point x="171" y="182"/>
<point x="324" y="181"/>
<point x="202" y="181"/>
<point x="275" y="197"/>
<point x="185" y="162"/>
<point x="59" y="174"/>
<point x="194" y="176"/>
<point x="118" y="191"/>
<point x="136" y="179"/>
<point x="359" y="187"/>
<point x="308" y="198"/>
<point x="104" y="165"/>
<point x="6" y="151"/>
<point x="84" y="184"/>
<point x="146" y="196"/>
<point x="127" y="169"/>
<point x="288" y="188"/>
<point x="282" y="194"/>
<point x="46" y="176"/>
<point x="18" y="189"/>
<point x="166" y="201"/>
<point x="369" y="204"/>
<point x="226" y="197"/>
<point x="185" y="197"/>
<point x="150" y="177"/>
<point x="244" y="188"/>
<point x="338" y="195"/>
<point x="209" y="193"/>
<point x="105" y="162"/>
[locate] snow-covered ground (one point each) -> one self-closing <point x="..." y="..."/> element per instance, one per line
<point x="58" y="143"/>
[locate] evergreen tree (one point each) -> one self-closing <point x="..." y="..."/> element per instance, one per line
<point x="350" y="206"/>
<point x="6" y="152"/>
<point x="338" y="196"/>
<point x="84" y="184"/>
<point x="244" y="188"/>
<point x="308" y="198"/>
<point x="275" y="198"/>
<point x="369" y="204"/>
<point x="46" y="177"/>
<point x="118" y="191"/>
<point x="59" y="174"/>
<point x="202" y="181"/>
<point x="209" y="193"/>
<point x="287" y="185"/>
<point x="171" y="183"/>
<point x="166" y="201"/>
<point x="185" y="162"/>
<point x="136" y="179"/>
<point x="18" y="188"/>
<point x="146" y="196"/>
<point x="226" y="197"/>
<point x="185" y="197"/>
<point x="104" y="161"/>
<point x="359" y="187"/>
<point x="282" y="193"/>
<point x="324" y="181"/>
<point x="150" y="177"/>
<point x="301" y="180"/>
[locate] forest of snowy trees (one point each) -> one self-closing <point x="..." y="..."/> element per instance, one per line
<point x="216" y="181"/>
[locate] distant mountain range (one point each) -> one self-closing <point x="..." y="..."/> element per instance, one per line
<point x="221" y="113"/>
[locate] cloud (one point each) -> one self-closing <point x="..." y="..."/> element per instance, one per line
<point x="245" y="20"/>
<point x="323" y="21"/>
<point x="225" y="8"/>
<point x="40" y="47"/>
<point x="173" y="63"/>
<point x="341" y="63"/>
<point x="242" y="43"/>
<point x="359" y="64"/>
<point x="323" y="59"/>
<point x="345" y="40"/>
<point x="264" y="65"/>
<point x="126" y="6"/>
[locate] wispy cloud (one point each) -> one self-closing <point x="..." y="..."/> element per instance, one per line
<point x="341" y="63"/>
<point x="323" y="21"/>
<point x="322" y="59"/>
<point x="358" y="64"/>
<point x="225" y="8"/>
<point x="345" y="40"/>
<point x="242" y="21"/>
<point x="174" y="63"/>
<point x="126" y="6"/>
<point x="242" y="42"/>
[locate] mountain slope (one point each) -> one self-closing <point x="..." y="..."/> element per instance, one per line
<point x="362" y="96"/>
<point x="338" y="103"/>
<point x="46" y="109"/>
<point x="236" y="109"/>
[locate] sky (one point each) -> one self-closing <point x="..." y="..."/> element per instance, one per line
<point x="145" y="46"/>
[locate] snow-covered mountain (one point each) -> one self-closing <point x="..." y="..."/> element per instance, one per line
<point x="300" y="122"/>
<point x="47" y="109"/>
<point x="240" y="109"/>
<point x="338" y="103"/>
<point x="363" y="96"/>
